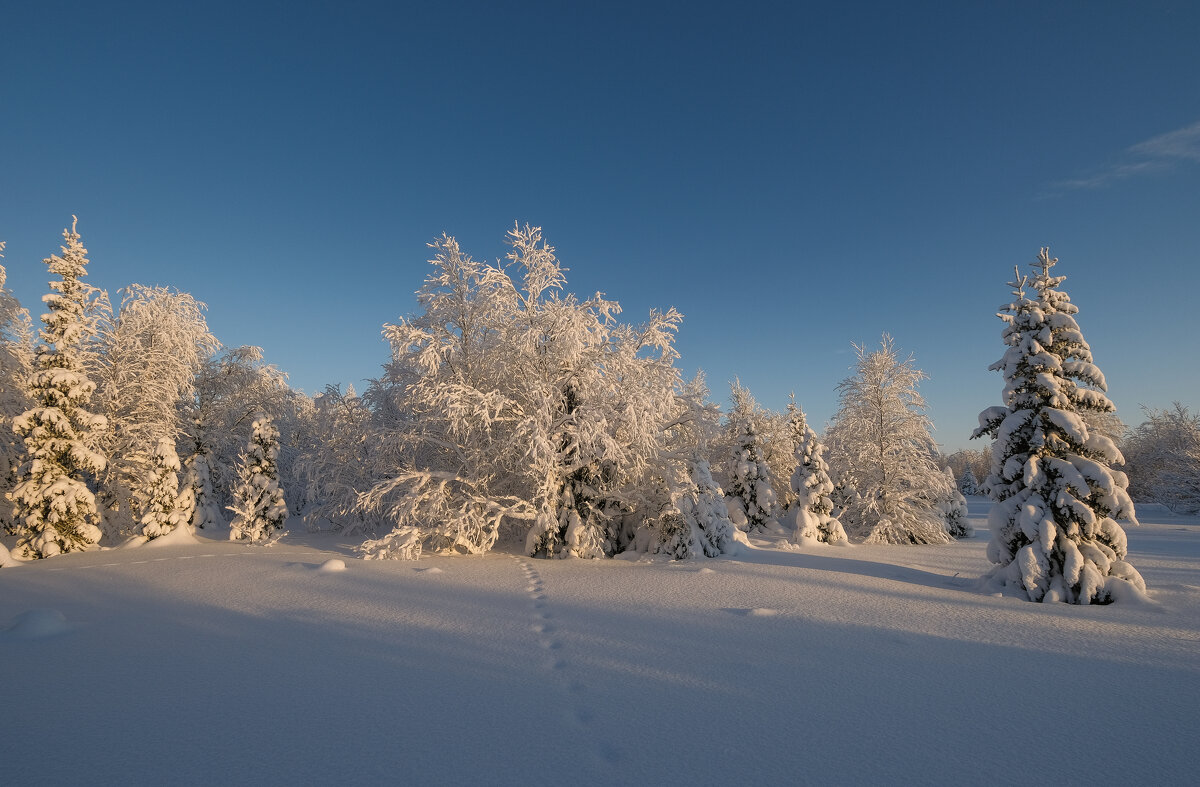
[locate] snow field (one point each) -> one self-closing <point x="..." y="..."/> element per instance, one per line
<point x="212" y="661"/>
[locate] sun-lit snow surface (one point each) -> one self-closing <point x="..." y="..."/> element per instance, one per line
<point x="214" y="662"/>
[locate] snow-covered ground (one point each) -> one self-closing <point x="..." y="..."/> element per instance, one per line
<point x="214" y="662"/>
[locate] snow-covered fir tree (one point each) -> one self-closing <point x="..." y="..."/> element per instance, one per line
<point x="880" y="442"/>
<point x="977" y="461"/>
<point x="696" y="522"/>
<point x="156" y="498"/>
<point x="751" y="500"/>
<point x="16" y="364"/>
<point x="953" y="507"/>
<point x="54" y="507"/>
<point x="797" y="423"/>
<point x="259" y="509"/>
<point x="967" y="483"/>
<point x="775" y="440"/>
<point x="204" y="510"/>
<point x="1054" y="530"/>
<point x="811" y="511"/>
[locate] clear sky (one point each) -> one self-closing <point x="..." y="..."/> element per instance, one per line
<point x="793" y="177"/>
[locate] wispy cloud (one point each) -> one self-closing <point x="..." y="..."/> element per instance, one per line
<point x="1157" y="154"/>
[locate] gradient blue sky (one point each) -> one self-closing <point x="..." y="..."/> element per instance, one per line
<point x="792" y="177"/>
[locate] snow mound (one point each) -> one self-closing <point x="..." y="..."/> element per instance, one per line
<point x="433" y="570"/>
<point x="36" y="624"/>
<point x="6" y="559"/>
<point x="763" y="612"/>
<point x="331" y="566"/>
<point x="706" y="570"/>
<point x="180" y="536"/>
<point x="741" y="538"/>
<point x="177" y="537"/>
<point x="1127" y="593"/>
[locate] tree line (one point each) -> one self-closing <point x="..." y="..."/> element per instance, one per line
<point x="511" y="407"/>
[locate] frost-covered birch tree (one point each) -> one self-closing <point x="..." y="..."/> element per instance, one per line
<point x="259" y="509"/>
<point x="811" y="510"/>
<point x="54" y="504"/>
<point x="1163" y="459"/>
<point x="527" y="407"/>
<point x="341" y="463"/>
<point x="231" y="388"/>
<point x="154" y="349"/>
<point x="16" y="364"/>
<point x="694" y="520"/>
<point x="880" y="442"/>
<point x="1054" y="530"/>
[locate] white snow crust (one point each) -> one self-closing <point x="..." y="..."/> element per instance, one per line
<point x="390" y="675"/>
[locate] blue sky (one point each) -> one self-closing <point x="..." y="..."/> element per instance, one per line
<point x="792" y="177"/>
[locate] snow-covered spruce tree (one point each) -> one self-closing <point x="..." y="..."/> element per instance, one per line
<point x="953" y="507"/>
<point x="973" y="464"/>
<point x="204" y="512"/>
<point x="751" y="500"/>
<point x="259" y="509"/>
<point x="153" y="350"/>
<point x="881" y="439"/>
<point x="967" y="483"/>
<point x="156" y="498"/>
<point x="1054" y="537"/>
<point x="774" y="438"/>
<point x="706" y="528"/>
<point x="54" y="508"/>
<point x="811" y="512"/>
<point x="16" y="364"/>
<point x="797" y="423"/>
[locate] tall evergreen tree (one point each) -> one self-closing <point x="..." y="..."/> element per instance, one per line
<point x="157" y="497"/>
<point x="953" y="506"/>
<point x="797" y="423"/>
<point x="201" y="498"/>
<point x="258" y="505"/>
<point x="1054" y="534"/>
<point x="696" y="523"/>
<point x="811" y="512"/>
<point x="54" y="508"/>
<point x="752" y="499"/>
<point x="967" y="483"/>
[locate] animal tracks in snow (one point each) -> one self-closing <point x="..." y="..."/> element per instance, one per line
<point x="572" y="692"/>
<point x="535" y="588"/>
